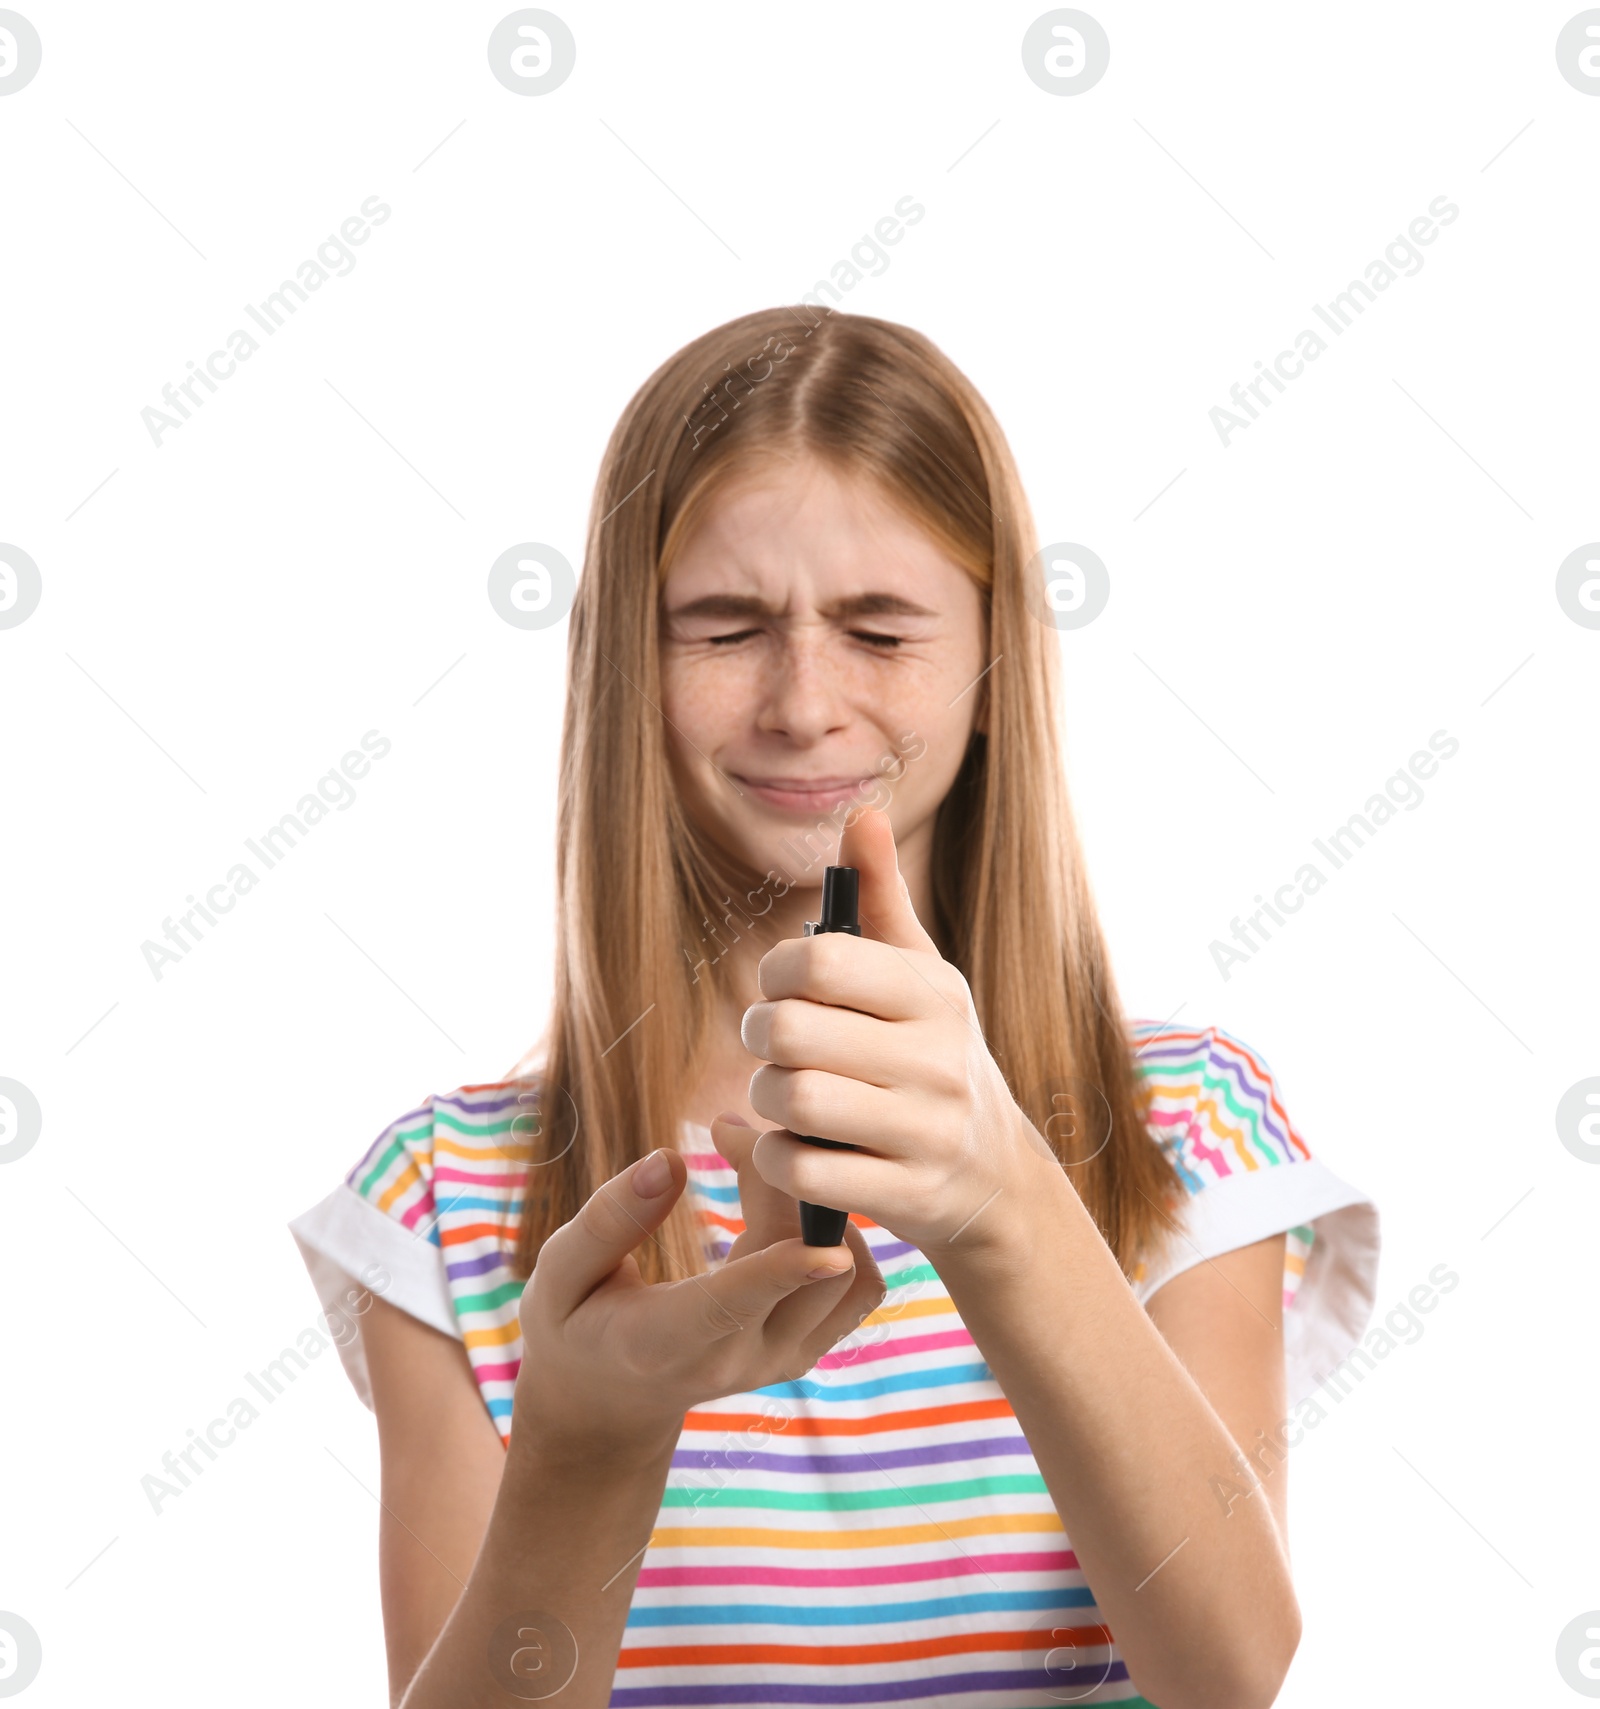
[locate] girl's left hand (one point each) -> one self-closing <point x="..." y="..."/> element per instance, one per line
<point x="875" y="1041"/>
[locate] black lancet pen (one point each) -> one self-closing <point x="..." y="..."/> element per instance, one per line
<point x="820" y="1226"/>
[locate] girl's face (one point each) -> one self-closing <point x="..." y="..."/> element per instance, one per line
<point x="816" y="646"/>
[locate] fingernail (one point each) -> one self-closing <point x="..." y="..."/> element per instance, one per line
<point x="828" y="1270"/>
<point x="733" y="1120"/>
<point x="653" y="1176"/>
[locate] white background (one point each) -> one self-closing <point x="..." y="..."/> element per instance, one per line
<point x="228" y="613"/>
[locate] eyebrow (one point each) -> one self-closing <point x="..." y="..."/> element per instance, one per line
<point x="736" y="605"/>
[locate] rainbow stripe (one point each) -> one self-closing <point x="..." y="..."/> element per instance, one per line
<point x="877" y="1532"/>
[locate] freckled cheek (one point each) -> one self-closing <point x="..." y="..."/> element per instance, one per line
<point x="942" y="727"/>
<point x="922" y="694"/>
<point x="709" y="706"/>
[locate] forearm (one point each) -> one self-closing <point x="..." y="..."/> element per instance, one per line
<point x="1200" y="1601"/>
<point x="564" y="1542"/>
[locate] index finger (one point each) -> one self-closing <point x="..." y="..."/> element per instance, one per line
<point x="768" y="1214"/>
<point x="616" y="1217"/>
<point x="859" y="973"/>
<point x="744" y="1292"/>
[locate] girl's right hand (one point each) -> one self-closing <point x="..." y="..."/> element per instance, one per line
<point x="610" y="1362"/>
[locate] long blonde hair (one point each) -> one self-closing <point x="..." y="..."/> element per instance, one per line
<point x="638" y="887"/>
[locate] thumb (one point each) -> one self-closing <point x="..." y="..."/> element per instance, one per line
<point x="867" y="843"/>
<point x="617" y="1217"/>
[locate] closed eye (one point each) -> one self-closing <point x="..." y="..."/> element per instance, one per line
<point x="884" y="642"/>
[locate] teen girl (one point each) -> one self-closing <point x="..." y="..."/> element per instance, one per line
<point x="1020" y="1440"/>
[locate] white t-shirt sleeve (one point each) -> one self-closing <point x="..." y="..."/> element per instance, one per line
<point x="350" y="1244"/>
<point x="1250" y="1174"/>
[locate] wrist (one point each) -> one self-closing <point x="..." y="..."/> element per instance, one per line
<point x="1007" y="1230"/>
<point x="588" y="1448"/>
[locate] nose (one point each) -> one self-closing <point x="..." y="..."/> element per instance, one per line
<point x="804" y="696"/>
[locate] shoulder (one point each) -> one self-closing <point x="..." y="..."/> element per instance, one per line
<point x="471" y="1136"/>
<point x="1218" y="1109"/>
<point x="1214" y="1103"/>
<point x="448" y="1177"/>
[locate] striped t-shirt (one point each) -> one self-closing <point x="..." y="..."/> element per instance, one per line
<point x="877" y="1532"/>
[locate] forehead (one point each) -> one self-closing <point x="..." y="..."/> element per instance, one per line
<point x="804" y="523"/>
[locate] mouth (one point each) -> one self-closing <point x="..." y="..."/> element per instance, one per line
<point x="802" y="794"/>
